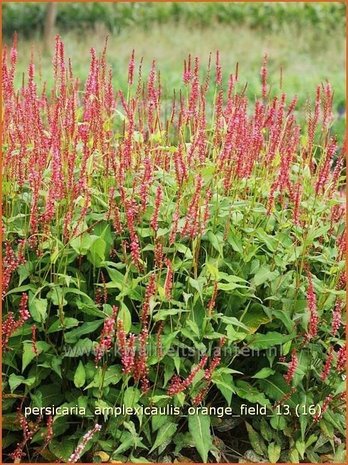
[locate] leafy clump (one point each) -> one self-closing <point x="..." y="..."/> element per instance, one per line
<point x="173" y="276"/>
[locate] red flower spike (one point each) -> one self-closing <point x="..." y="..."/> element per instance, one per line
<point x="292" y="367"/>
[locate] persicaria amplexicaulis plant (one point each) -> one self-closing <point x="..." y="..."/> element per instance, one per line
<point x="168" y="249"/>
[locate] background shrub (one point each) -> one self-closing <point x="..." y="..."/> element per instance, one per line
<point x="28" y="18"/>
<point x="213" y="227"/>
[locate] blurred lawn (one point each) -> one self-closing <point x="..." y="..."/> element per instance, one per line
<point x="306" y="56"/>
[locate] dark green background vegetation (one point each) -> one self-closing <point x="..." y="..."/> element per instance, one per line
<point x="29" y="18"/>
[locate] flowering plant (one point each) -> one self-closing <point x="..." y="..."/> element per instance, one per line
<point x="156" y="253"/>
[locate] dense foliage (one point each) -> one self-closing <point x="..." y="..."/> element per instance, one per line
<point x="29" y="17"/>
<point x="164" y="257"/>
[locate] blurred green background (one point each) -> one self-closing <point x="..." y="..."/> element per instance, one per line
<point x="306" y="40"/>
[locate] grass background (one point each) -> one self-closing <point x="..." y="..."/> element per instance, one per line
<point x="306" y="40"/>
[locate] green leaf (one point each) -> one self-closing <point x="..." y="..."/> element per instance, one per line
<point x="311" y="440"/>
<point x="304" y="359"/>
<point x="67" y="323"/>
<point x="56" y="295"/>
<point x="340" y="454"/>
<point x="250" y="393"/>
<point x="254" y="317"/>
<point x="263" y="275"/>
<point x="96" y="253"/>
<point x="231" y="320"/>
<point x="265" y="341"/>
<point x="278" y="422"/>
<point x="198" y="285"/>
<point x="131" y="397"/>
<point x="264" y="373"/>
<point x="117" y="278"/>
<point x="82" y="347"/>
<point x="90" y="309"/>
<point x="224" y="382"/>
<point x="24" y="271"/>
<point x="199" y="427"/>
<point x="164" y="435"/>
<point x="29" y="354"/>
<point x="138" y="459"/>
<point x="62" y="449"/>
<point x="337" y="420"/>
<point x="266" y="430"/>
<point x="273" y="452"/>
<point x="180" y="398"/>
<point x="80" y="375"/>
<point x="327" y="429"/>
<point x="256" y="440"/>
<point x="183" y="249"/>
<point x="301" y="448"/>
<point x="127" y="441"/>
<point x="294" y="457"/>
<point x="16" y="380"/>
<point x="158" y="421"/>
<point x="270" y="241"/>
<point x="87" y="328"/>
<point x="20" y="289"/>
<point x="38" y="309"/>
<point x="112" y="375"/>
<point x="235" y="241"/>
<point x="233" y="335"/>
<point x="215" y="242"/>
<point x="230" y="286"/>
<point x="213" y="271"/>
<point x="83" y="243"/>
<point x="285" y="318"/>
<point x="275" y="388"/>
<point x="125" y="315"/>
<point x="163" y="314"/>
<point x="71" y="290"/>
<point x="55" y="364"/>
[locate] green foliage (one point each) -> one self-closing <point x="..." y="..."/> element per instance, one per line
<point x="239" y="298"/>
